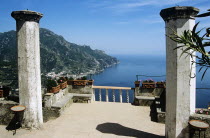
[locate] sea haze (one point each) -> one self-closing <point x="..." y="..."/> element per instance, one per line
<point x="124" y="75"/>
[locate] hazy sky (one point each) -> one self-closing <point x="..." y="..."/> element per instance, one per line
<point x="115" y="26"/>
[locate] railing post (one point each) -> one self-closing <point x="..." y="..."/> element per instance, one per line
<point x="113" y="95"/>
<point x="120" y="96"/>
<point x="100" y="95"/>
<point x="127" y="96"/>
<point x="107" y="95"/>
<point x="94" y="93"/>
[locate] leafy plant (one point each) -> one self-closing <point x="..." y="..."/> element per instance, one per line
<point x="150" y="80"/>
<point x="61" y="80"/>
<point x="84" y="78"/>
<point x="192" y="42"/>
<point x="71" y="78"/>
<point x="51" y="83"/>
<point x="202" y="111"/>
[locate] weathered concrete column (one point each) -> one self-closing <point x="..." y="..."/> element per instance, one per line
<point x="29" y="76"/>
<point x="180" y="88"/>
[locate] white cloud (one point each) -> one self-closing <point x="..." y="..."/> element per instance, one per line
<point x="123" y="6"/>
<point x="123" y="22"/>
<point x="133" y="4"/>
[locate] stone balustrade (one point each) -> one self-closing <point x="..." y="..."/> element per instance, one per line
<point x="113" y="91"/>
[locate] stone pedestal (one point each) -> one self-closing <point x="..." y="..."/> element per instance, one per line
<point x="29" y="76"/>
<point x="180" y="88"/>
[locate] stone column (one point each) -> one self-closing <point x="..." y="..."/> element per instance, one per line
<point x="180" y="88"/>
<point x="29" y="76"/>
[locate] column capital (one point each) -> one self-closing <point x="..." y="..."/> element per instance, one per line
<point x="26" y="15"/>
<point x="179" y="12"/>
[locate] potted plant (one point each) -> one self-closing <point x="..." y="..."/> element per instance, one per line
<point x="137" y="83"/>
<point x="161" y="84"/>
<point x="70" y="81"/>
<point x="202" y="111"/>
<point x="63" y="83"/>
<point x="52" y="86"/>
<point x="90" y="82"/>
<point x="81" y="81"/>
<point x="84" y="78"/>
<point x="149" y="84"/>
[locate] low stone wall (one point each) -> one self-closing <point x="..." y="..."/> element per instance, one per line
<point x="80" y="89"/>
<point x="55" y="104"/>
<point x="205" y="118"/>
<point x="48" y="114"/>
<point x="52" y="98"/>
<point x="52" y="113"/>
<point x="148" y="92"/>
<point x="6" y="114"/>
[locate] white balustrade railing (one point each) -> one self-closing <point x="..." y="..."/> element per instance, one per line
<point x="99" y="94"/>
<point x="113" y="93"/>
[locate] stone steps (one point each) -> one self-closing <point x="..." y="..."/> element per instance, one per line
<point x="60" y="106"/>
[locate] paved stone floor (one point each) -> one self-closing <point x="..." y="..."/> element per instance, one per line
<point x="96" y="120"/>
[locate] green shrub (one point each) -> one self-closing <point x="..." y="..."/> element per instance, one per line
<point x="84" y="78"/>
<point x="51" y="83"/>
<point x="61" y="80"/>
<point x="71" y="78"/>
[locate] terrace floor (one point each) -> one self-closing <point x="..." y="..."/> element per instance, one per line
<point x="96" y="120"/>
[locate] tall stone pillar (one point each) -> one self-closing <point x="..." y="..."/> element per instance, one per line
<point x="180" y="88"/>
<point x="29" y="76"/>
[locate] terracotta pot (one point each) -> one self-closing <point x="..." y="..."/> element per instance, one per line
<point x="55" y="89"/>
<point x="1" y="93"/>
<point x="137" y="83"/>
<point x="63" y="85"/>
<point x="160" y="84"/>
<point x="80" y="82"/>
<point x="148" y="85"/>
<point x="90" y="82"/>
<point x="70" y="82"/>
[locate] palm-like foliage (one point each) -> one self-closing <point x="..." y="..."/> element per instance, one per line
<point x="192" y="42"/>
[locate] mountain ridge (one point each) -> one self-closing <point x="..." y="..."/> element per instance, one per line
<point x="57" y="54"/>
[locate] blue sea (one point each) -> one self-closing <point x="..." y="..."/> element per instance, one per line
<point x="124" y="75"/>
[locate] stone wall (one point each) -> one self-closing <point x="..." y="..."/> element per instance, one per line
<point x="52" y="113"/>
<point x="52" y="98"/>
<point x="55" y="104"/>
<point x="149" y="92"/>
<point x="6" y="114"/>
<point x="145" y="97"/>
<point x="80" y="89"/>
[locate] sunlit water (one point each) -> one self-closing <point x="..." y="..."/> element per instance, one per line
<point x="124" y="75"/>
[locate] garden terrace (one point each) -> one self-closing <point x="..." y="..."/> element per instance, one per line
<point x="96" y="119"/>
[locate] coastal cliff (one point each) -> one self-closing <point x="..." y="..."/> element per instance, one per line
<point x="57" y="55"/>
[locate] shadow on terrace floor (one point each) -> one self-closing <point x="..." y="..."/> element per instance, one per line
<point x="117" y="129"/>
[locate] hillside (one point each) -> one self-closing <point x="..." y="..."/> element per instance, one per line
<point x="57" y="55"/>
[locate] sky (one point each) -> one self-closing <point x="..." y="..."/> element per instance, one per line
<point x="115" y="26"/>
